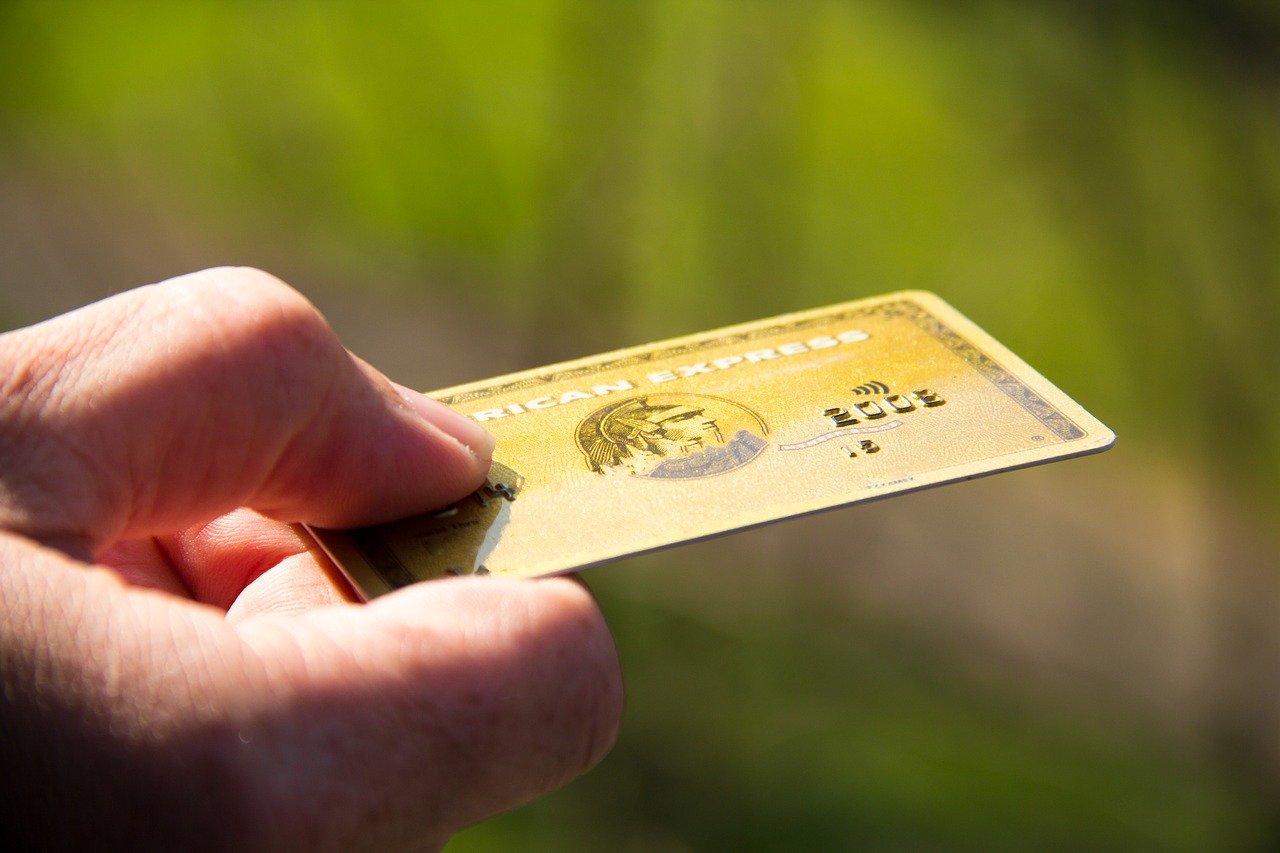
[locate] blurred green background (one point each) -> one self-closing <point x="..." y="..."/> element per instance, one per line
<point x="1086" y="655"/>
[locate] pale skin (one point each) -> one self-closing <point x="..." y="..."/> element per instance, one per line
<point x="176" y="668"/>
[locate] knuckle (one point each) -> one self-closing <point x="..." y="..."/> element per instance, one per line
<point x="244" y="297"/>
<point x="252" y="317"/>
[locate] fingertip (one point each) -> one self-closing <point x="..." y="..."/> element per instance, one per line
<point x="360" y="450"/>
<point x="463" y="429"/>
<point x="234" y="298"/>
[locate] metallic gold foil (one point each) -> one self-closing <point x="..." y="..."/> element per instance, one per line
<point x="651" y="446"/>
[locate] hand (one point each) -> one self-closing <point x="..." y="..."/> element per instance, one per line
<point x="204" y="684"/>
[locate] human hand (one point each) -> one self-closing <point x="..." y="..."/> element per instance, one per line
<point x="204" y="684"/>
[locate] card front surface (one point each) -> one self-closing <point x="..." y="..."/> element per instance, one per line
<point x="634" y="450"/>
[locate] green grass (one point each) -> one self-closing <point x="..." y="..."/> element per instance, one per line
<point x="1096" y="184"/>
<point x="802" y="730"/>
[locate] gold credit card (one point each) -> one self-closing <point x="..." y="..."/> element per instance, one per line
<point x="626" y="452"/>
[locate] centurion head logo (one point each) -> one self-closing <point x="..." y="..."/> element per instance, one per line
<point x="671" y="436"/>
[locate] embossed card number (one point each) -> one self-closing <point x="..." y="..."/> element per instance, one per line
<point x="642" y="448"/>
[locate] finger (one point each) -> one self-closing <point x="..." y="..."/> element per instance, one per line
<point x="210" y="562"/>
<point x="180" y="401"/>
<point x="292" y="586"/>
<point x="242" y="562"/>
<point x="251" y="565"/>
<point x="457" y="699"/>
<point x="217" y="560"/>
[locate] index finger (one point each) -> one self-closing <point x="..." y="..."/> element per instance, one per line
<point x="175" y="403"/>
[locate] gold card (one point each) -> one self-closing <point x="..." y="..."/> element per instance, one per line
<point x="634" y="450"/>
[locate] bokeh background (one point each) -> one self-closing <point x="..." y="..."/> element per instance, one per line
<point x="1083" y="655"/>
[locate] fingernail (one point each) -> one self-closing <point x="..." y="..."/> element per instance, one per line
<point x="478" y="439"/>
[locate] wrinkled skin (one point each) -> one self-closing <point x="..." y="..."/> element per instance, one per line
<point x="178" y="670"/>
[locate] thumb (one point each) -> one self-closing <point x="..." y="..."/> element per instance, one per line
<point x="442" y="703"/>
<point x="139" y="717"/>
